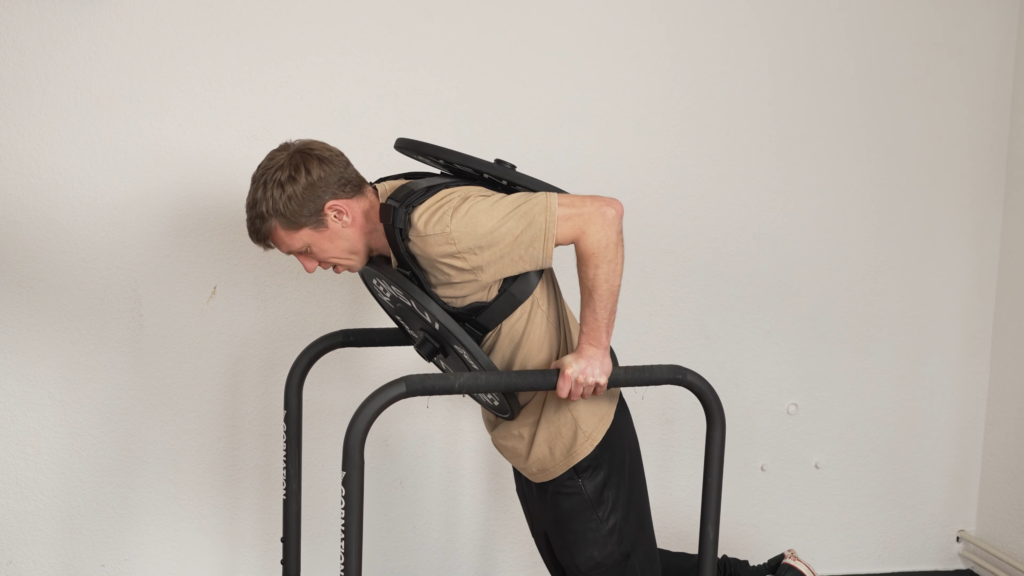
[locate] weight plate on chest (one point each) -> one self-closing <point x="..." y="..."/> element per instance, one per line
<point x="435" y="335"/>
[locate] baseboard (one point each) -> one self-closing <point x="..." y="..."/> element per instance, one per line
<point x="962" y="572"/>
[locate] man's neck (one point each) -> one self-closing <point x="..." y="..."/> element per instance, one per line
<point x="378" y="240"/>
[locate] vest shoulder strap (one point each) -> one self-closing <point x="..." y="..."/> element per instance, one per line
<point x="478" y="318"/>
<point x="404" y="176"/>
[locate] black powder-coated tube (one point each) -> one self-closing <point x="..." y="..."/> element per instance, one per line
<point x="353" y="470"/>
<point x="291" y="483"/>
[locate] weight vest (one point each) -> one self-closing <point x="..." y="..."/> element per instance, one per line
<point x="448" y="337"/>
<point x="478" y="318"/>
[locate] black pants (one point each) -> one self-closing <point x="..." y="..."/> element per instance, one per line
<point x="595" y="519"/>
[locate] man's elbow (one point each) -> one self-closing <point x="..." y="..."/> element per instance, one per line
<point x="612" y="210"/>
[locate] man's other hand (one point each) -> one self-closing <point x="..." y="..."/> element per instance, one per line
<point x="583" y="372"/>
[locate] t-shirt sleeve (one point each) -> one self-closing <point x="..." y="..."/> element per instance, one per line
<point x="501" y="235"/>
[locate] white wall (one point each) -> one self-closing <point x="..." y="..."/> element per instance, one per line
<point x="813" y="194"/>
<point x="1001" y="500"/>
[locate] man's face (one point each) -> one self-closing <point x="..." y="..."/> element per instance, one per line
<point x="340" y="246"/>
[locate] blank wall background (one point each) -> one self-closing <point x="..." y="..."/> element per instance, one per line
<point x="813" y="196"/>
<point x="1001" y="500"/>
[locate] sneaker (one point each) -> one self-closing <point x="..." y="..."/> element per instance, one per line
<point x="792" y="565"/>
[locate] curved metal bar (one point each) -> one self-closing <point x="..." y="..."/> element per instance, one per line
<point x="291" y="483"/>
<point x="353" y="469"/>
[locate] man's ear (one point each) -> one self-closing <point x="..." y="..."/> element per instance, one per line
<point x="339" y="211"/>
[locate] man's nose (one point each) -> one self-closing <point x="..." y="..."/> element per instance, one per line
<point x="307" y="264"/>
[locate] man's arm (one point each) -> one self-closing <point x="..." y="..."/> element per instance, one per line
<point x="593" y="224"/>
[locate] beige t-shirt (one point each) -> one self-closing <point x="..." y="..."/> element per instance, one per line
<point x="468" y="239"/>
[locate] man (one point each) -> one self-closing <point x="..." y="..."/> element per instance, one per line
<point x="575" y="456"/>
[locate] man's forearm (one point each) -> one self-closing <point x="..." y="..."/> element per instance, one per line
<point x="593" y="225"/>
<point x="599" y="258"/>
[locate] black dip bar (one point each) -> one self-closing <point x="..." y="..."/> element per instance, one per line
<point x="464" y="383"/>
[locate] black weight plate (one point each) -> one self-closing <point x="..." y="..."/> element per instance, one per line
<point x="437" y="337"/>
<point x="461" y="165"/>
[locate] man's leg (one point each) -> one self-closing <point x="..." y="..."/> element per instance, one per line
<point x="683" y="564"/>
<point x="595" y="519"/>
<point x="535" y="519"/>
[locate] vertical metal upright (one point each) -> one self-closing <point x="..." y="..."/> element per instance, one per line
<point x="291" y="481"/>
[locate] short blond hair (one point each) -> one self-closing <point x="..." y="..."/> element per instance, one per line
<point x="293" y="183"/>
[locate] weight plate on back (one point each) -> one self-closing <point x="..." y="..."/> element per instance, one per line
<point x="499" y="173"/>
<point x="435" y="335"/>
